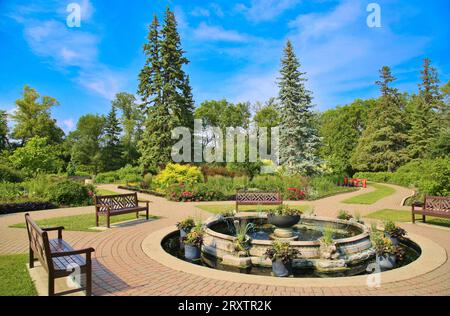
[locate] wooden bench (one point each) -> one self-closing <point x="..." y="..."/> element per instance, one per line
<point x="257" y="198"/>
<point x="110" y="205"/>
<point x="57" y="257"/>
<point x="437" y="206"/>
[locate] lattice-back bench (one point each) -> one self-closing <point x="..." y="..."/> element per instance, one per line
<point x="244" y="197"/>
<point x="110" y="205"/>
<point x="437" y="206"/>
<point x="57" y="257"/>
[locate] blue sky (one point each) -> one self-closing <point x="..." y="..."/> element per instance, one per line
<point x="234" y="48"/>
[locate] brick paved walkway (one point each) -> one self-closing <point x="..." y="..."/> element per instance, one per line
<point x="122" y="268"/>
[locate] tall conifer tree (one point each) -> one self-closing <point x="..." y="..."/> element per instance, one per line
<point x="299" y="140"/>
<point x="112" y="150"/>
<point x="382" y="146"/>
<point x="165" y="91"/>
<point x="424" y="120"/>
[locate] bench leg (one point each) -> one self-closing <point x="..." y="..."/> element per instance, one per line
<point x="146" y="213"/>
<point x="51" y="286"/>
<point x="137" y="214"/>
<point x="31" y="258"/>
<point x="89" y="280"/>
<point x="108" y="222"/>
<point x="96" y="219"/>
<point x="423" y="218"/>
<point x="413" y="218"/>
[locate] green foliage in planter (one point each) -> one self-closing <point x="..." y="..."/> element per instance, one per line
<point x="327" y="235"/>
<point x="393" y="230"/>
<point x="194" y="237"/>
<point x="284" y="210"/>
<point x="187" y="224"/>
<point x="344" y="215"/>
<point x="281" y="250"/>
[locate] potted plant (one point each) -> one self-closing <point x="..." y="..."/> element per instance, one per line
<point x="242" y="240"/>
<point x="192" y="243"/>
<point x="393" y="232"/>
<point x="328" y="249"/>
<point x="281" y="255"/>
<point x="185" y="226"/>
<point x="283" y="216"/>
<point x="385" y="251"/>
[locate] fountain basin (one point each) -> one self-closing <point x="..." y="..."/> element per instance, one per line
<point x="354" y="251"/>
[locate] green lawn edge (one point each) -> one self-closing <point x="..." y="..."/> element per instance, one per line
<point x="405" y="216"/>
<point x="81" y="222"/>
<point x="14" y="276"/>
<point x="381" y="191"/>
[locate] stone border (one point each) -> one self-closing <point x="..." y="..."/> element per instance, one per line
<point x="432" y="257"/>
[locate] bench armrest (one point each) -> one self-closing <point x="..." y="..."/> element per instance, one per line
<point x="73" y="252"/>
<point x="144" y="201"/>
<point x="58" y="228"/>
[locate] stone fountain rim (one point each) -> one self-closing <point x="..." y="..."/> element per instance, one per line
<point x="248" y="215"/>
<point x="432" y="257"/>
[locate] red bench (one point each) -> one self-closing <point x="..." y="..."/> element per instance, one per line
<point x="437" y="206"/>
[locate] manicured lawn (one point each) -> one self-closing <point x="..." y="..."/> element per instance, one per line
<point x="106" y="192"/>
<point x="405" y="216"/>
<point x="381" y="191"/>
<point x="216" y="209"/>
<point x="14" y="277"/>
<point x="81" y="222"/>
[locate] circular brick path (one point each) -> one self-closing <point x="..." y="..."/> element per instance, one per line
<point x="122" y="268"/>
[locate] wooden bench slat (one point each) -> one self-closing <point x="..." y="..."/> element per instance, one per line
<point x="437" y="206"/>
<point x="110" y="205"/>
<point x="45" y="250"/>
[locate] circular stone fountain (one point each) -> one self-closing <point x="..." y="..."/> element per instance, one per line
<point x="352" y="241"/>
<point x="353" y="252"/>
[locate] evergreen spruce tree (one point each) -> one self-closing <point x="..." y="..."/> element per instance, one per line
<point x="112" y="150"/>
<point x="424" y="119"/>
<point x="176" y="88"/>
<point x="299" y="141"/>
<point x="382" y="146"/>
<point x="3" y="130"/>
<point x="165" y="91"/>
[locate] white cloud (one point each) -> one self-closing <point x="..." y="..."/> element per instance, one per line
<point x="67" y="125"/>
<point x="199" y="11"/>
<point x="265" y="10"/>
<point x="72" y="51"/>
<point x="217" y="33"/>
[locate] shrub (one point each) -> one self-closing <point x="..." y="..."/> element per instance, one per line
<point x="295" y="194"/>
<point x="284" y="210"/>
<point x="429" y="176"/>
<point x="9" y="174"/>
<point x="178" y="174"/>
<point x="147" y="181"/>
<point x="193" y="193"/>
<point x="210" y="171"/>
<point x="10" y="208"/>
<point x="70" y="193"/>
<point x="11" y="192"/>
<point x="123" y="175"/>
<point x="374" y="176"/>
